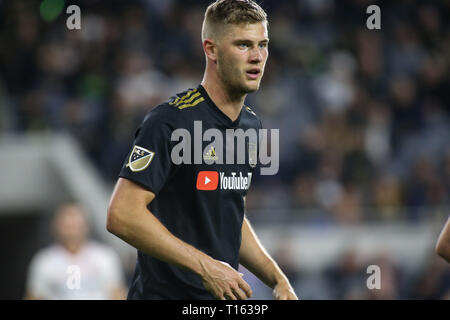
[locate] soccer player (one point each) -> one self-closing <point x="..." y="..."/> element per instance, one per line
<point x="187" y="219"/>
<point x="443" y="243"/>
<point x="74" y="267"/>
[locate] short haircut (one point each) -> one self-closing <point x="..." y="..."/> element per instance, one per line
<point x="226" y="12"/>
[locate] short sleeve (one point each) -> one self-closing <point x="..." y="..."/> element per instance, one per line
<point x="148" y="162"/>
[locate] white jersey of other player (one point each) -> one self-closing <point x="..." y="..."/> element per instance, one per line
<point x="92" y="273"/>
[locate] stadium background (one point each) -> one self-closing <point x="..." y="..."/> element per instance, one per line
<point x="363" y="116"/>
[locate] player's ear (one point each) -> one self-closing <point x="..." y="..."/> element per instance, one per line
<point x="210" y="49"/>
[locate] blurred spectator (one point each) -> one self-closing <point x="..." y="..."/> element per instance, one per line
<point x="347" y="277"/>
<point x="390" y="278"/>
<point x="74" y="267"/>
<point x="348" y="209"/>
<point x="407" y="116"/>
<point x="387" y="197"/>
<point x="377" y="137"/>
<point x="433" y="282"/>
<point x="424" y="188"/>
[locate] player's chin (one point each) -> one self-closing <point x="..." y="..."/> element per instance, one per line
<point x="251" y="86"/>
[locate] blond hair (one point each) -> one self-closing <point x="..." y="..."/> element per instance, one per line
<point x="226" y="12"/>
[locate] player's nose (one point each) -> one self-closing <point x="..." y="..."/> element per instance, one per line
<point x="255" y="56"/>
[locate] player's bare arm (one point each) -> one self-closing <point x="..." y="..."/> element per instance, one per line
<point x="257" y="260"/>
<point x="130" y="220"/>
<point x="443" y="243"/>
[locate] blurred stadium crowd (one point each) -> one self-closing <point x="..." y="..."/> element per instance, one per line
<point x="345" y="278"/>
<point x="363" y="114"/>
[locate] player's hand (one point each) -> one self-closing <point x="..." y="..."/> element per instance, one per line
<point x="284" y="291"/>
<point x="224" y="282"/>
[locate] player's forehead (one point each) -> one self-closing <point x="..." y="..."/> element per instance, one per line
<point x="255" y="32"/>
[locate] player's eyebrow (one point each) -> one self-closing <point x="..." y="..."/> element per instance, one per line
<point x="247" y="41"/>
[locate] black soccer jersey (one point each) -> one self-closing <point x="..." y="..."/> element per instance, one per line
<point x="199" y="187"/>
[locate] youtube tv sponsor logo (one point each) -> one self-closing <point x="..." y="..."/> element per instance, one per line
<point x="207" y="180"/>
<point x="212" y="180"/>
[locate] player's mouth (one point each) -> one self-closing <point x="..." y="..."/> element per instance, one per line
<point x="253" y="73"/>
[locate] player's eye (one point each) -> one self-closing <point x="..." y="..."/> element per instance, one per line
<point x="263" y="45"/>
<point x="243" y="46"/>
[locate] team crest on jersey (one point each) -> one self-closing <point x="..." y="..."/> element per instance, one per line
<point x="211" y="155"/>
<point x="140" y="158"/>
<point x="252" y="154"/>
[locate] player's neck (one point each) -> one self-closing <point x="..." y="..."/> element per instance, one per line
<point x="230" y="105"/>
<point x="73" y="248"/>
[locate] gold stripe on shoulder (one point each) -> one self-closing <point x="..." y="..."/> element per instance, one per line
<point x="188" y="100"/>
<point x="196" y="102"/>
<point x="179" y="100"/>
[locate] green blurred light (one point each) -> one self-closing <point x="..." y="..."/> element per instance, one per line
<point x="93" y="86"/>
<point x="50" y="9"/>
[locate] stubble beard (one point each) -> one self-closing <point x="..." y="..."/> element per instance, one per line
<point x="230" y="78"/>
